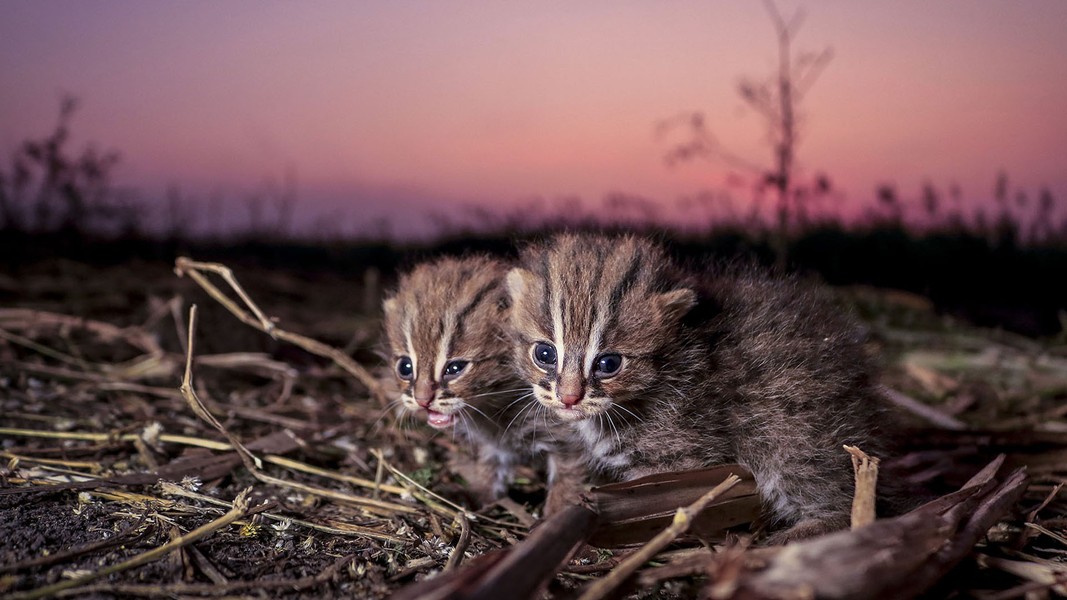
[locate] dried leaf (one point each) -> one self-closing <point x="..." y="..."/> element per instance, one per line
<point x="632" y="512"/>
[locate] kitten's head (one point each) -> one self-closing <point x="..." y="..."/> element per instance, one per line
<point x="443" y="326"/>
<point x="591" y="317"/>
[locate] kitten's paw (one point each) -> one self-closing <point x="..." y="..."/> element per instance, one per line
<point x="805" y="529"/>
<point x="485" y="485"/>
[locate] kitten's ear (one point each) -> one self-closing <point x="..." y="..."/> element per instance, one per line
<point x="520" y="283"/>
<point x="676" y="303"/>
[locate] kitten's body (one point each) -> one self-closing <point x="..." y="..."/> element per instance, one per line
<point x="732" y="367"/>
<point x="451" y="312"/>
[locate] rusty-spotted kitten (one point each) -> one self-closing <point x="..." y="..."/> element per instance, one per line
<point x="446" y="348"/>
<point x="654" y="370"/>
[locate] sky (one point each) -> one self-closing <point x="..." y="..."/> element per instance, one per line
<point x="412" y="111"/>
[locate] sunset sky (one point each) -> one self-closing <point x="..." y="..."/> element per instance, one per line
<point x="402" y="109"/>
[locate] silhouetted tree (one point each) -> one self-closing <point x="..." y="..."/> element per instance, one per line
<point x="49" y="189"/>
<point x="776" y="99"/>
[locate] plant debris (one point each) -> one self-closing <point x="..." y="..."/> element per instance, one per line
<point x="272" y="467"/>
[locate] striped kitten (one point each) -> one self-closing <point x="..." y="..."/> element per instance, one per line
<point x="444" y="329"/>
<point x="654" y="370"/>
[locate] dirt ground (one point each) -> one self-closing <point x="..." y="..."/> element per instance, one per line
<point x="103" y="461"/>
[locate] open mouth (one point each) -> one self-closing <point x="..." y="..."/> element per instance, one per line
<point x="439" y="420"/>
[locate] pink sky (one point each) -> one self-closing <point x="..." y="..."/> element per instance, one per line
<point x="399" y="109"/>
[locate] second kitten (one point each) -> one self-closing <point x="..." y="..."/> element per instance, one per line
<point x="655" y="370"/>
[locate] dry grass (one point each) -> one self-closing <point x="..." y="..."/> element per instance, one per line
<point x="127" y="448"/>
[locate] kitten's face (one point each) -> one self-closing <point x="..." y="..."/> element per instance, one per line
<point x="443" y="326"/>
<point x="591" y="316"/>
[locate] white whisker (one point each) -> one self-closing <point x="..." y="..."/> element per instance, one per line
<point x="627" y="411"/>
<point x="618" y="438"/>
<point x="513" y="403"/>
<point x="525" y="409"/>
<point x="498" y="392"/>
<point x="470" y="406"/>
<point x="387" y="411"/>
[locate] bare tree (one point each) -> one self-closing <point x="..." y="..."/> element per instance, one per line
<point x="776" y="99"/>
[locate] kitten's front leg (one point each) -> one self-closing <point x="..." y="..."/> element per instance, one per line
<point x="567" y="476"/>
<point x="487" y="475"/>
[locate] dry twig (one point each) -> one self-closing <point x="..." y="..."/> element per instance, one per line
<point x="186" y="266"/>
<point x="253" y="463"/>
<point x="863" y="501"/>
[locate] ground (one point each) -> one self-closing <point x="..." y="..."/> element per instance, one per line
<point x="357" y="503"/>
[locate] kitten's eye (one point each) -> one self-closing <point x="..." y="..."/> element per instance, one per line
<point x="404" y="368"/>
<point x="608" y="365"/>
<point x="453" y="369"/>
<point x="544" y="354"/>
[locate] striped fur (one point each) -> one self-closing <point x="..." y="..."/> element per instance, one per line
<point x="726" y="366"/>
<point x="454" y="310"/>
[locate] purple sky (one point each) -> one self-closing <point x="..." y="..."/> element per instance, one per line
<point x="408" y="110"/>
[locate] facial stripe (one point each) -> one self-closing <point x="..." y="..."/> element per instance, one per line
<point x="448" y="329"/>
<point x="476" y="300"/>
<point x="596" y="337"/>
<point x="556" y="304"/>
<point x="624" y="283"/>
<point x="461" y="315"/>
<point x="598" y="317"/>
<point x="624" y="286"/>
<point x="407" y="326"/>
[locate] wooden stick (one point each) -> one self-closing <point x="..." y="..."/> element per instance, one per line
<point x="461" y="546"/>
<point x="863" y="501"/>
<point x="537" y="559"/>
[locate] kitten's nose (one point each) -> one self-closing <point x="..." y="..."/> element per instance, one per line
<point x="424" y="392"/>
<point x="570" y="399"/>
<point x="570" y="391"/>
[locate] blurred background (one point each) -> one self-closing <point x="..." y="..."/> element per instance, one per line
<point x="911" y="146"/>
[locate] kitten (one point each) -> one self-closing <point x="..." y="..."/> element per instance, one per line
<point x="653" y="370"/>
<point x="444" y="327"/>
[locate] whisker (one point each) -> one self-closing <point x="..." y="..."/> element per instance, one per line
<point x="524" y="410"/>
<point x="467" y="405"/>
<point x="465" y="421"/>
<point x="535" y="409"/>
<point x="515" y="401"/>
<point x="540" y="410"/>
<point x="618" y="438"/>
<point x="386" y="412"/>
<point x="499" y="392"/>
<point x="627" y="411"/>
<point x="398" y="415"/>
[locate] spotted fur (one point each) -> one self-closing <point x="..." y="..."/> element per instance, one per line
<point x="717" y="367"/>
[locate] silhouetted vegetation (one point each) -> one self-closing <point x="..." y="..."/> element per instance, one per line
<point x="999" y="270"/>
<point x="776" y="100"/>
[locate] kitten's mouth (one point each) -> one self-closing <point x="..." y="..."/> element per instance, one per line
<point x="439" y="420"/>
<point x="570" y="413"/>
